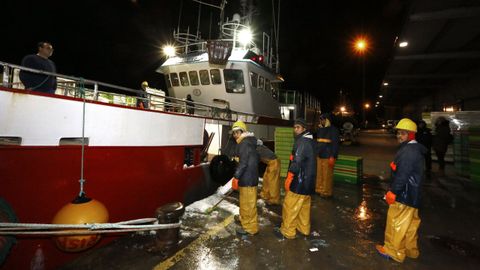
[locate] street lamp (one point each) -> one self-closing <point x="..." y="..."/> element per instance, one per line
<point x="361" y="47"/>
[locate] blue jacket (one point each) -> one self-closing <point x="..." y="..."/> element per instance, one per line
<point x="247" y="169"/>
<point x="303" y="165"/>
<point x="327" y="142"/>
<point x="407" y="172"/>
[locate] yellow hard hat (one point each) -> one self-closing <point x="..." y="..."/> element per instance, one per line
<point x="239" y="125"/>
<point x="406" y="124"/>
<point x="145" y="83"/>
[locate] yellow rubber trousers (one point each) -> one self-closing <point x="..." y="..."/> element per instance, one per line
<point x="271" y="182"/>
<point x="324" y="183"/>
<point x="295" y="214"/>
<point x="248" y="209"/>
<point x="401" y="232"/>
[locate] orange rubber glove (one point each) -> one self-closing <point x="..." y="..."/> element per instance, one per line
<point x="235" y="184"/>
<point x="331" y="162"/>
<point x="288" y="181"/>
<point x="390" y="197"/>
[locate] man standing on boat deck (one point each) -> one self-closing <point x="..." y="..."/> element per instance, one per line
<point x="327" y="149"/>
<point x="403" y="197"/>
<point x="245" y="178"/>
<point x="271" y="178"/>
<point x="142" y="100"/>
<point x="189" y="105"/>
<point x="299" y="185"/>
<point x="40" y="61"/>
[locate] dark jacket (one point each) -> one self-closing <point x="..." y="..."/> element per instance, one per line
<point x="407" y="172"/>
<point x="265" y="153"/>
<point x="247" y="169"/>
<point x="303" y="165"/>
<point x="190" y="106"/>
<point x="35" y="81"/>
<point x="442" y="137"/>
<point x="327" y="142"/>
<point x="424" y="137"/>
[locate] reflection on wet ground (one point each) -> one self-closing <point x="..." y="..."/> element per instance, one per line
<point x="343" y="234"/>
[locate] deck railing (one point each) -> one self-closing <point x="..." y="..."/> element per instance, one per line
<point x="109" y="93"/>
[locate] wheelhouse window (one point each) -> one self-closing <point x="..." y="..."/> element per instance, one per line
<point x="174" y="78"/>
<point x="254" y="79"/>
<point x="193" y="77"/>
<point x="215" y="75"/>
<point x="268" y="87"/>
<point x="204" y="77"/>
<point x="234" y="82"/>
<point x="184" y="79"/>
<point x="261" y="83"/>
<point x="167" y="79"/>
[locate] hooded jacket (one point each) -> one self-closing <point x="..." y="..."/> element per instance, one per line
<point x="303" y="164"/>
<point x="247" y="169"/>
<point x="407" y="172"/>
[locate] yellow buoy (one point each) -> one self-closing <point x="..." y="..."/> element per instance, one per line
<point x="82" y="210"/>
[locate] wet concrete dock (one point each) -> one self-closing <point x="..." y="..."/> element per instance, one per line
<point x="344" y="229"/>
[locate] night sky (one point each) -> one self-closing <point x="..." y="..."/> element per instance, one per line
<point x="118" y="41"/>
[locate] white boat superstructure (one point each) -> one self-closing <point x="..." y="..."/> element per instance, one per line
<point x="241" y="85"/>
<point x="231" y="71"/>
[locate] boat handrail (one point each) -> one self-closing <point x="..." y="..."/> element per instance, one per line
<point x="156" y="102"/>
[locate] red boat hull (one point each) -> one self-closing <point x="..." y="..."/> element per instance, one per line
<point x="130" y="181"/>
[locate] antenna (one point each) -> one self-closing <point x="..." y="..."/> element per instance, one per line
<point x="180" y="14"/>
<point x="221" y="7"/>
<point x="198" y="21"/>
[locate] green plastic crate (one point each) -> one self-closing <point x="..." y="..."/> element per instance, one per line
<point x="283" y="147"/>
<point x="348" y="169"/>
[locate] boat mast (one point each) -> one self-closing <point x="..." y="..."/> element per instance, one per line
<point x="221" y="7"/>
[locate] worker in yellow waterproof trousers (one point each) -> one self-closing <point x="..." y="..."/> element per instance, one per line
<point x="327" y="152"/>
<point x="404" y="196"/>
<point x="299" y="185"/>
<point x="245" y="178"/>
<point x="271" y="178"/>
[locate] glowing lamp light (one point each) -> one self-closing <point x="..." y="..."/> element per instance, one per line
<point x="257" y="59"/>
<point x="168" y="50"/>
<point x="245" y="36"/>
<point x="448" y="109"/>
<point x="403" y="44"/>
<point x="380" y="96"/>
<point x="360" y="45"/>
<point x="342" y="109"/>
<point x="385" y="84"/>
<point x="367" y="105"/>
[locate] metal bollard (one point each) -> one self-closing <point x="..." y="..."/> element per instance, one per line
<point x="168" y="213"/>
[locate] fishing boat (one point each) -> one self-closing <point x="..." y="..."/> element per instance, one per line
<point x="87" y="139"/>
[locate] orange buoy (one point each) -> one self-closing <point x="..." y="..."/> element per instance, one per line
<point x="82" y="210"/>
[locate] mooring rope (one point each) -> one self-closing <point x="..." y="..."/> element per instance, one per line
<point x="88" y="228"/>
